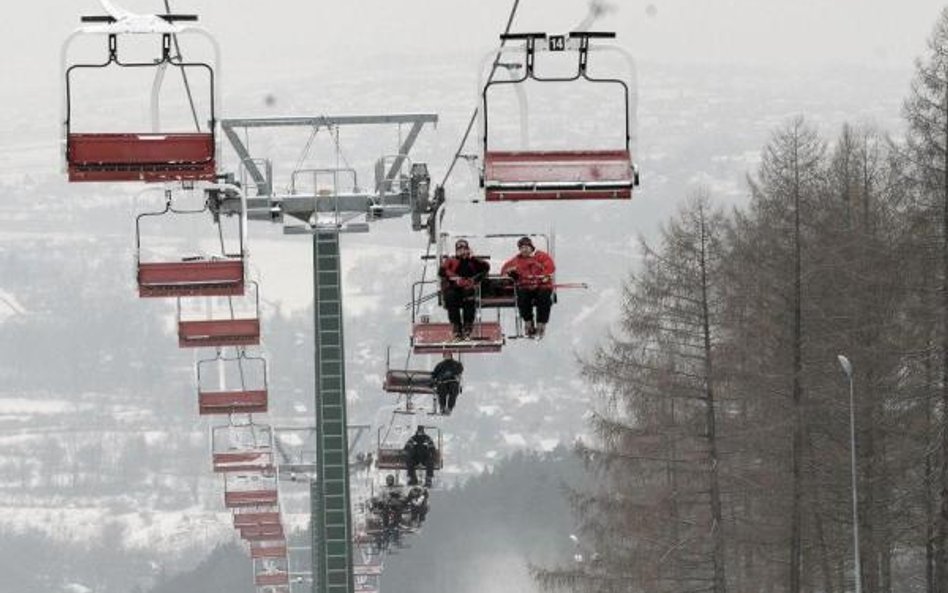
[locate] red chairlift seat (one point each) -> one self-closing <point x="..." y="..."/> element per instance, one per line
<point x="558" y="175"/>
<point x="141" y="157"/>
<point x="232" y="402"/>
<point x="244" y="498"/>
<point x="242" y="461"/>
<point x="241" y="448"/>
<point x="275" y="548"/>
<point x="239" y="329"/>
<point x="271" y="579"/>
<point x="256" y="519"/>
<point x="204" y="277"/>
<point x="196" y="276"/>
<point x="437" y="338"/>
<point x="216" y="333"/>
<point x="248" y="399"/>
<point x="408" y="381"/>
<point x="257" y="533"/>
<point x="250" y="490"/>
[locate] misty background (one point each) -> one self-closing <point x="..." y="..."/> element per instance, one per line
<point x="101" y="443"/>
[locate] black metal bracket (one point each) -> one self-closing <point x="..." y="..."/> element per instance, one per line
<point x="593" y="34"/>
<point x="171" y="18"/>
<point x="531" y="39"/>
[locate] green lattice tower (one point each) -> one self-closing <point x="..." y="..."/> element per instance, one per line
<point x="330" y="522"/>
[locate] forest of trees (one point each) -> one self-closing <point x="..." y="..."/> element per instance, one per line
<point x="722" y="445"/>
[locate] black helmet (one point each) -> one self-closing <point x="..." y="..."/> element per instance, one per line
<point x="525" y="241"/>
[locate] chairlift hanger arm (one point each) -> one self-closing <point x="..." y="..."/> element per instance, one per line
<point x="522" y="36"/>
<point x="170" y="18"/>
<point x="593" y="34"/>
<point x="557" y="43"/>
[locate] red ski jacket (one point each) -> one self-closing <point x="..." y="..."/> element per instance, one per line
<point x="463" y="272"/>
<point x="532" y="271"/>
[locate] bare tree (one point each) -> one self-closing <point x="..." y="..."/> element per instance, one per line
<point x="657" y="521"/>
<point x="926" y="111"/>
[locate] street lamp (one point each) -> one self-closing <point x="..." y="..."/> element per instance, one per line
<point x="848" y="369"/>
<point x="577" y="554"/>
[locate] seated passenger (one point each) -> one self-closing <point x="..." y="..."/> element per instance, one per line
<point x="418" y="505"/>
<point x="460" y="277"/>
<point x="420" y="450"/>
<point x="532" y="271"/>
<point x="446" y="377"/>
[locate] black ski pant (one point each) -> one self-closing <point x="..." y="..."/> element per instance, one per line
<point x="448" y="394"/>
<point x="415" y="458"/>
<point x="460" y="305"/>
<point x="528" y="298"/>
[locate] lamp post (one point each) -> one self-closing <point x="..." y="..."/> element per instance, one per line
<point x="848" y="369"/>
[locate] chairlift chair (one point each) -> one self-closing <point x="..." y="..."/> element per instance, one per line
<point x="391" y="455"/>
<point x="250" y="489"/>
<point x="238" y="326"/>
<point x="409" y="381"/>
<point x="367" y="570"/>
<point x="558" y="174"/>
<point x="252" y="517"/>
<point x="155" y="156"/>
<point x="250" y="397"/>
<point x="193" y="275"/>
<point x="241" y="447"/>
<point x="271" y="571"/>
<point x="295" y="450"/>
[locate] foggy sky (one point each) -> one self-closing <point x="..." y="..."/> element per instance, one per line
<point x="279" y="37"/>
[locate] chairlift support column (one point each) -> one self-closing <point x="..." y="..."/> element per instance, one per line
<point x="330" y="516"/>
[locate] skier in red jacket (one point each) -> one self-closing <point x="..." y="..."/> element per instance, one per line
<point x="532" y="271"/>
<point x="460" y="277"/>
